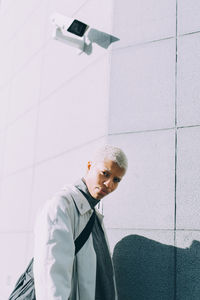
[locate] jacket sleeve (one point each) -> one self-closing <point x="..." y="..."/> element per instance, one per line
<point x="53" y="252"/>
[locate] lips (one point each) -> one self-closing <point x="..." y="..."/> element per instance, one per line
<point x="103" y="192"/>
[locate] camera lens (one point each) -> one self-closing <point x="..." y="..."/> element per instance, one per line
<point x="77" y="28"/>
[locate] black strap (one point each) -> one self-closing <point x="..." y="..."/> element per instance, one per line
<point x="84" y="235"/>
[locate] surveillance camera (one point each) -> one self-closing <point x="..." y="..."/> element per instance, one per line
<point x="70" y="31"/>
<point x="76" y="34"/>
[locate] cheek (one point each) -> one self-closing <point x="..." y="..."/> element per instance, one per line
<point x="115" y="186"/>
<point x="98" y="178"/>
<point x="95" y="180"/>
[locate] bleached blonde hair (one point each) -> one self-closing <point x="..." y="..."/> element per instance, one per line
<point x="112" y="153"/>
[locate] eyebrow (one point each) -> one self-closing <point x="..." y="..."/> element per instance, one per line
<point x="108" y="170"/>
<point x="120" y="178"/>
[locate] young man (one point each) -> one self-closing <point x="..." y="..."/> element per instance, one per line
<point x="59" y="273"/>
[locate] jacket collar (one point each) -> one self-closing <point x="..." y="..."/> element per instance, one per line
<point x="80" y="201"/>
<point x="82" y="187"/>
<point x="100" y="216"/>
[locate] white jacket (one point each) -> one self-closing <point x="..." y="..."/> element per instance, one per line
<point x="55" y="265"/>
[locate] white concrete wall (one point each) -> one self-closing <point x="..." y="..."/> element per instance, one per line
<point x="155" y="116"/>
<point x="56" y="107"/>
<point x="142" y="115"/>
<point x="53" y="114"/>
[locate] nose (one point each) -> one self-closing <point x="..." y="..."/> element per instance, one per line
<point x="109" y="184"/>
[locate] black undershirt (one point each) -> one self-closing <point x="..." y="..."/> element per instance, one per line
<point x="104" y="276"/>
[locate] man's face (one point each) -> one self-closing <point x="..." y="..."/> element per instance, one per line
<point x="103" y="178"/>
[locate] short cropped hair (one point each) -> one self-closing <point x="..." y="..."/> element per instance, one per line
<point x="112" y="153"/>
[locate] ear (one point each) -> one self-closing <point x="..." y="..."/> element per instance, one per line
<point x="89" y="164"/>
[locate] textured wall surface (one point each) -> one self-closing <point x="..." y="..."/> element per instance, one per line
<point x="142" y="93"/>
<point x="154" y="115"/>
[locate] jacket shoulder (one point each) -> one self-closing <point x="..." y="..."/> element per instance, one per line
<point x="61" y="204"/>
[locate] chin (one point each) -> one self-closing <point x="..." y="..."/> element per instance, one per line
<point x="97" y="196"/>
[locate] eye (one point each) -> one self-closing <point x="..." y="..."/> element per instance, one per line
<point x="116" y="179"/>
<point x="105" y="173"/>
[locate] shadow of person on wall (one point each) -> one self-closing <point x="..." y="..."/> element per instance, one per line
<point x="148" y="270"/>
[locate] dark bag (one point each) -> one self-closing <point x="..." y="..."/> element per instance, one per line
<point x="24" y="288"/>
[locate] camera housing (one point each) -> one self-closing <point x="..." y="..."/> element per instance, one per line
<point x="70" y="31"/>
